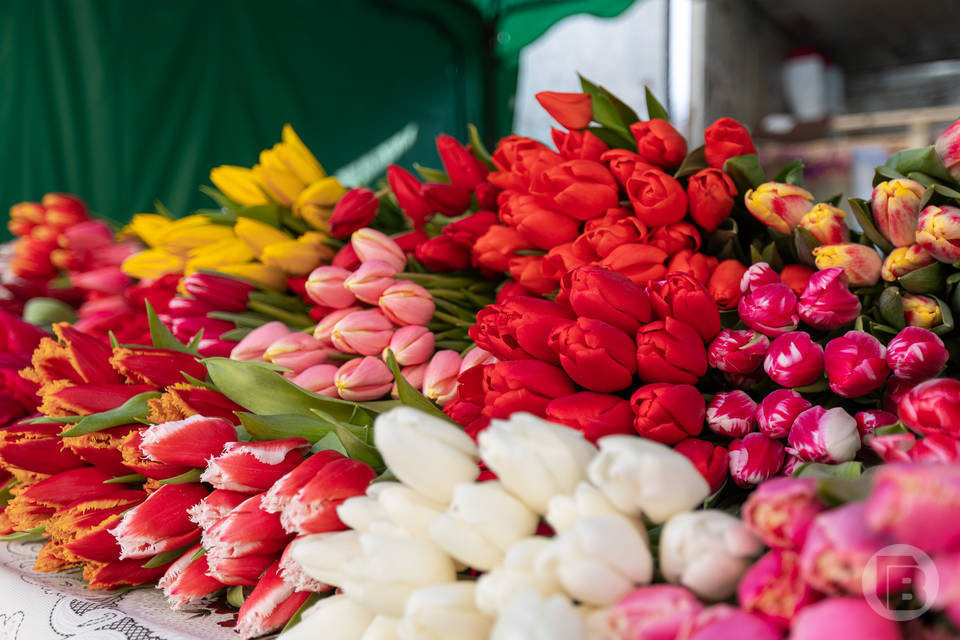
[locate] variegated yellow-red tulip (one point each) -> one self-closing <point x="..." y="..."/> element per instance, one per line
<point x="239" y="184"/>
<point x="266" y="275"/>
<point x="826" y="223"/>
<point x="896" y="205"/>
<point x="939" y="232"/>
<point x="921" y="311"/>
<point x="298" y="157"/>
<point x="903" y="260"/>
<point x="149" y="227"/>
<point x="292" y="257"/>
<point x="258" y="234"/>
<point x="778" y="205"/>
<point x="282" y="184"/>
<point x="861" y="263"/>
<point x="315" y="203"/>
<point x="212" y="256"/>
<point x="152" y="264"/>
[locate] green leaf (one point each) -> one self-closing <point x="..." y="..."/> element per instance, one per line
<point x="821" y="470"/>
<point x="627" y="115"/>
<point x="199" y="554"/>
<point x="695" y="161"/>
<point x="612" y="138"/>
<point x="43" y="312"/>
<point x="373" y="163"/>
<point x="654" y="108"/>
<point x="53" y="420"/>
<point x="162" y="210"/>
<point x="947" y="192"/>
<point x="235" y="596"/>
<point x="745" y="171"/>
<point x="357" y="448"/>
<point x="160" y="335"/>
<point x="925" y="198"/>
<point x="604" y="111"/>
<point x="408" y="395"/>
<point x="478" y="148"/>
<point x="928" y="279"/>
<point x="890" y="305"/>
<point x="327" y="442"/>
<point x="278" y="427"/>
<point x="295" y="618"/>
<point x="861" y="209"/>
<point x="431" y="175"/>
<point x="947" y="325"/>
<point x="265" y="213"/>
<point x="386" y="476"/>
<point x="130" y="411"/>
<point x="187" y="477"/>
<point x="891" y="429"/>
<point x="127" y="479"/>
<point x="813" y="387"/>
<point x="922" y="160"/>
<point x="805" y="243"/>
<point x="114" y="343"/>
<point x="792" y="173"/>
<point x="886" y="173"/>
<point x="166" y="557"/>
<point x="835" y="199"/>
<point x="32" y="535"/>
<point x="238" y="334"/>
<point x="197" y="382"/>
<point x="219" y="198"/>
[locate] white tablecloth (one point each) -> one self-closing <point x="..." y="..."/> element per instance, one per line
<point x="55" y="606"/>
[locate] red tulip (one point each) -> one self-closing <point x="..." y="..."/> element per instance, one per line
<point x="932" y="407"/>
<point x="85" y="399"/>
<point x="659" y="143"/>
<point x="355" y="210"/>
<point x="225" y="294"/>
<point x="182" y="401"/>
<point x="77" y="358"/>
<point x="407" y="189"/>
<point x="519" y="328"/>
<point x="709" y="459"/>
<point x="602" y="294"/>
<point x="447" y="199"/>
<point x="670" y="351"/>
<point x="504" y="388"/>
<point x="494" y="249"/>
<point x="269" y="606"/>
<point x="571" y="110"/>
<point x="254" y="466"/>
<point x="442" y="254"/>
<point x="528" y="271"/>
<point x="564" y="258"/>
<point x="711" y="193"/>
<point x="594" y="354"/>
<point x="244" y="543"/>
<point x="668" y="413"/>
<point x="578" y="145"/>
<point x="683" y="298"/>
<point x="134" y="459"/>
<point x="726" y="138"/>
<point x="639" y="262"/>
<point x="724" y="283"/>
<point x="186" y="580"/>
<point x="36" y="448"/>
<point x="120" y="573"/>
<point x="160" y="523"/>
<point x="698" y="265"/>
<point x="541" y="226"/>
<point x="17" y="336"/>
<point x="797" y="277"/>
<point x="190" y="442"/>
<point x="157" y="367"/>
<point x="657" y="198"/>
<point x="313" y="509"/>
<point x="102" y="448"/>
<point x="467" y="230"/>
<point x="604" y="240"/>
<point x="625" y="164"/>
<point x="674" y="238"/>
<point x="461" y="165"/>
<point x="593" y="414"/>
<point x="582" y="189"/>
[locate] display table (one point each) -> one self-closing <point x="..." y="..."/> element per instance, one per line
<point x="41" y="606"/>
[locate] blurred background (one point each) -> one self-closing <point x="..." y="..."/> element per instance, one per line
<point x="125" y="103"/>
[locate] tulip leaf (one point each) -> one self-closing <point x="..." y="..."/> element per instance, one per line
<point x="53" y="420"/>
<point x="891" y="429"/>
<point x="822" y="470"/>
<point x="31" y="535"/>
<point x="946" y="326"/>
<point x="928" y="279"/>
<point x="886" y="173"/>
<point x="328" y="442"/>
<point x="186" y="477"/>
<point x="161" y="336"/>
<point x="792" y="173"/>
<point x="309" y="602"/>
<point x="612" y="138"/>
<point x="925" y="198"/>
<point x="922" y="160"/>
<point x="114" y="343"/>
<point x="745" y="171"/>
<point x="695" y="161"/>
<point x="408" y="395"/>
<point x="861" y="210"/>
<point x="805" y="242"/>
<point x="429" y="174"/>
<point x="357" y="448"/>
<point x="278" y="427"/>
<point x="626" y="114"/>
<point x="127" y="479"/>
<point x="130" y="411"/>
<point x="946" y="191"/>
<point x="197" y="382"/>
<point x="890" y="305"/>
<point x="477" y="147"/>
<point x="386" y="476"/>
<point x="236" y="596"/>
<point x="605" y="112"/>
<point x="238" y="334"/>
<point x="219" y="198"/>
<point x="167" y="557"/>
<point x="199" y="554"/>
<point x="813" y="387"/>
<point x="654" y="108"/>
<point x="265" y="213"/>
<point x="43" y="312"/>
<point x="194" y="345"/>
<point x="834" y="200"/>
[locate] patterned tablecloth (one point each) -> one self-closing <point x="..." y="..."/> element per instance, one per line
<point x="42" y="606"/>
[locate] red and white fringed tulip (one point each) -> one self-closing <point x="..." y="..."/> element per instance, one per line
<point x="243" y="544"/>
<point x="161" y="522"/>
<point x="856" y="364"/>
<point x="754" y="458"/>
<point x="314" y="507"/>
<point x="190" y="442"/>
<point x="271" y="604"/>
<point x="252" y="467"/>
<point x="794" y="360"/>
<point x="824" y="435"/>
<point x="186" y="580"/>
<point x="732" y="413"/>
<point x="293" y="574"/>
<point x="916" y="354"/>
<point x="776" y="412"/>
<point x="739" y="352"/>
<point x="215" y="507"/>
<point x="281" y="493"/>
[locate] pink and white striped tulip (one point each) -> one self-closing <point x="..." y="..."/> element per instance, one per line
<point x="868" y="421"/>
<point x="186" y="580"/>
<point x="794" y="360"/>
<point x="777" y="412"/>
<point x="365" y="332"/>
<point x="824" y="435"/>
<point x="189" y="442"/>
<point x="326" y="286"/>
<point x="363" y="379"/>
<point x="754" y="458"/>
<point x="827" y="302"/>
<point x="732" y="414"/>
<point x="740" y="352"/>
<point x="757" y="275"/>
<point x="916" y="354"/>
<point x="370" y="280"/>
<point x="856" y="364"/>
<point x="771" y="309"/>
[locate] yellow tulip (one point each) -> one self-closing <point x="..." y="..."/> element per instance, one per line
<point x="298" y="157"/>
<point x="181" y="240"/>
<point x="293" y="257"/>
<point x="277" y="180"/>
<point x="149" y="227"/>
<point x="258" y="234"/>
<point x="239" y="184"/>
<point x="211" y="256"/>
<point x="263" y="274"/>
<point x="317" y="240"/>
<point x="315" y="203"/>
<point x="152" y="264"/>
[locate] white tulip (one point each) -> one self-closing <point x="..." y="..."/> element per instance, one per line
<point x="382" y="628"/>
<point x="707" y="552"/>
<point x="531" y="616"/>
<point x="535" y="459"/>
<point x="481" y="523"/>
<point x="426" y="453"/>
<point x="406" y="508"/>
<point x="334" y="617"/>
<point x="444" y="612"/>
<point x="599" y="560"/>
<point x="585" y="501"/>
<point x="641" y="476"/>
<point x="392" y="567"/>
<point x="360" y="512"/>
<point x="321" y="555"/>
<point x="496" y="588"/>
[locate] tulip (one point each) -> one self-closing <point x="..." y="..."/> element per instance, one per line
<point x="185" y="329"/>
<point x="588" y="347"/>
<point x="160" y="523"/>
<point x="794" y="360"/>
<point x="896" y="206"/>
<point x="778" y="205"/>
<point x="409" y="194"/>
<point x="189" y="442"/>
<point x="255" y="343"/>
<point x="446" y="199"/>
<point x="932" y="407"/>
<point x="938" y="232"/>
<point x="17" y="336"/>
<point x="781" y="510"/>
<point x="826" y="223"/>
<point x="852" y="618"/>
<point x="239" y="184"/>
<point x="37" y="448"/>
<point x="315" y="204"/>
<point x="894" y="392"/>
<point x="655" y="611"/>
<point x="225" y="294"/>
<point x="726" y="138"/>
<point x="777" y="412"/>
<point x="532" y="616"/>
<point x="711" y="195"/>
<point x="519" y="328"/>
<point x="440" y="376"/>
<point x="313" y="508"/>
<point x="641" y="476"/>
<point x="757" y="275"/>
<point x="251" y="467"/>
<point x="374" y="245"/>
<point x="943" y="593"/>
<point x="921" y="311"/>
<point x="586" y="501"/>
<point x="518" y="385"/>
<point x="572" y="110"/>
<point x="601" y="294"/>
<point x="269" y="606"/>
<point x="533" y="459"/>
<point x="754" y="459"/>
<point x="709" y="459"/>
<point x="732" y="414"/>
<point x="683" y="298"/>
<point x="442" y="254"/>
<point x="739" y="352"/>
<point x="365" y="332"/>
<point x="599" y="560"/>
<point x="516" y="574"/>
<point x="840" y="545"/>
<point x="797" y="277"/>
<point x="363" y="379"/>
<point x="412" y="345"/>
<point x="322" y="555"/>
<point x="774" y="588"/>
<point x="495" y="248"/>
<point x="658" y="143"/>
<point x="77" y="357"/>
<point x="624" y="164"/>
<point x="706" y="552"/>
<point x="582" y="189"/>
<point x="185" y="581"/>
<point x="721" y="622"/>
<point x="904" y="260"/>
<point x="541" y="226"/>
<point x="670" y="351"/>
<point x="477" y="357"/>
<point x="562" y="259"/>
<point x="869" y="421"/>
<point x="861" y="264"/>
<point x="601" y="240"/>
<point x="296" y="351"/>
<point x="724" y="283"/>
<point x="697" y="265"/>
<point x="657" y="198"/>
<point x="893" y="447"/>
<point x="912" y="494"/>
<point x="369" y="281"/>
<point x="771" y="309"/>
<point x="405" y="507"/>
<point x="406" y="303"/>
<point x="158" y="367"/>
<point x="442" y="612"/>
<point x="325" y="287"/>
<point x="821" y="435"/>
<point x="668" y="413"/>
<point x="355" y="210"/>
<point x="182" y="401"/>
<point x="243" y="544"/>
<point x="87" y="399"/>
<point x="405" y="437"/>
<point x="593" y="414"/>
<point x="283" y="490"/>
<point x="855" y="364"/>
<point x="320" y="378"/>
<point x="827" y="302"/>
<point x="578" y="145"/>
<point x="675" y="238"/>
<point x="461" y="165"/>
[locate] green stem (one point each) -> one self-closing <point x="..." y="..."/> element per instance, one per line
<point x="460" y="312"/>
<point x="451" y="334"/>
<point x="293" y="319"/>
<point x="449" y="293"/>
<point x="447" y="282"/>
<point x="455" y="321"/>
<point x="336" y="355"/>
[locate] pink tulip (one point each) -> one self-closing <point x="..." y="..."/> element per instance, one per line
<point x="827" y="302"/>
<point x="326" y="287"/>
<point x="771" y="309"/>
<point x="370" y="280"/>
<point x="754" y="458"/>
<point x="945" y="594"/>
<point x="856" y="364"/>
<point x="654" y="612"/>
<point x="723" y="622"/>
<point x="774" y="589"/>
<point x="893" y="447"/>
<point x="363" y="379"/>
<point x="319" y="379"/>
<point x="109" y="280"/>
<point x="794" y="360"/>
<point x="739" y="352"/>
<point x="370" y="244"/>
<point x="791" y="465"/>
<point x="324" y="329"/>
<point x="440" y="378"/>
<point x="407" y="303"/>
<point x="255" y="343"/>
<point x="476" y="357"/>
<point x="916" y="354"/>
<point x="777" y="412"/>
<point x="85" y="236"/>
<point x="731" y="414"/>
<point x="869" y="421"/>
<point x="757" y="275"/>
<point x="896" y="207"/>
<point x="412" y="345"/>
<point x="296" y="351"/>
<point x="365" y="332"/>
<point x="936" y="448"/>
<point x="847" y="618"/>
<point x="824" y="435"/>
<point x="186" y="307"/>
<point x="781" y="511"/>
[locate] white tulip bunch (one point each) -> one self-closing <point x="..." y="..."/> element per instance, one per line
<point x="398" y="564"/>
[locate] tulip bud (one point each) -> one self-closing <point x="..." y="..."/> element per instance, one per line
<point x="896" y="206"/>
<point x="226" y="294"/>
<point x="827" y="302"/>
<point x="655" y="611"/>
<point x="754" y="459"/>
<point x="363" y="379"/>
<point x="251" y="467"/>
<point x="724" y="139"/>
<point x="904" y="260"/>
<point x="440" y="376"/>
<point x="921" y="311"/>
<point x="781" y="510"/>
<point x="516" y="574"/>
<point x="269" y="606"/>
<point x="593" y="414"/>
<point x="739" y="352"/>
<point x="572" y="110"/>
<point x="794" y="360"/>
<point x="319" y="378"/>
<point x="932" y="407"/>
<point x="405" y="507"/>
<point x="337" y="615"/>
<point x="477" y="357"/>
<point x="504" y="388"/>
<point x="671" y="238"/>
<point x="314" y="507"/>
<point x="586" y="501"/>
<point x="599" y="559"/>
<point x="670" y="351"/>
<point x="732" y="414"/>
<point x="707" y="552"/>
<point x="757" y="275"/>
<point x="843" y="617"/>
<point x="215" y="506"/>
<point x="946" y="147"/>
<point x="668" y="413"/>
<point x="255" y="343"/>
<point x="355" y="210"/>
<point x="777" y="412"/>
<point x="939" y="231"/>
<point x="711" y="194"/>
<point x="641" y="476"/>
<point x="869" y="421"/>
<point x="190" y="442"/>
<point x="855" y="364"/>
<point x="709" y="459"/>
<point x="659" y="143"/>
<point x="444" y="612"/>
<point x="822" y="435"/>
<point x="325" y="287"/>
<point x="409" y="194"/>
<point x="657" y="198"/>
<point x="369" y="281"/>
<point x="296" y="351"/>
<point x="365" y="332"/>
<point x="595" y="355"/>
<point x="774" y="588"/>
<point x="186" y="581"/>
<point x="826" y="223"/>
<point x="915" y="493"/>
<point x="371" y="244"/>
<point x="520" y="328"/>
<point x="160" y="523"/>
<point x="442" y="254"/>
<point x="407" y="303"/>
<point x="797" y="277"/>
<point x="294" y="257"/>
<point x="412" y="345"/>
<point x="683" y="298"/>
<point x="861" y="263"/>
<point x="771" y="309"/>
<point x="534" y="459"/>
<point x="602" y="294"/>
<point x="724" y="283"/>
<point x="778" y="205"/>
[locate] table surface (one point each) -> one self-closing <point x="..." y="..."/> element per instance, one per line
<point x="56" y="606"/>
